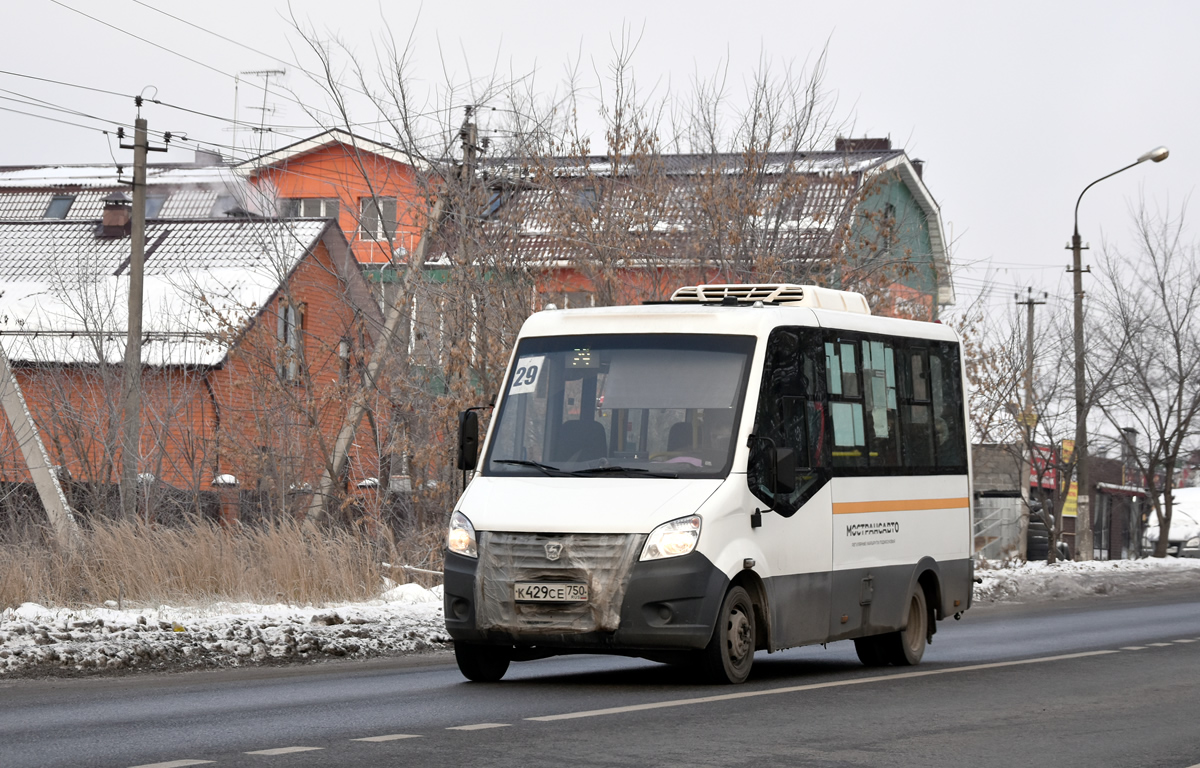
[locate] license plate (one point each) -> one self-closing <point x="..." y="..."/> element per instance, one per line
<point x="551" y="592"/>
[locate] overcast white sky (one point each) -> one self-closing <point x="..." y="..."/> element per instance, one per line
<point x="1015" y="107"/>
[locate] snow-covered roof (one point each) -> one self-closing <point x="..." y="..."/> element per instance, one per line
<point x="183" y="191"/>
<point x="64" y="291"/>
<point x="106" y="176"/>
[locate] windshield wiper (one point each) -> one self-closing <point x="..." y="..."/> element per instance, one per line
<point x="545" y="468"/>
<point x="627" y="471"/>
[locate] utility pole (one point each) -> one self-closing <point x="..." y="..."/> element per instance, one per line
<point x="396" y="315"/>
<point x="1029" y="303"/>
<point x="131" y="389"/>
<point x="1083" y="521"/>
<point x="1083" y="516"/>
<point x="1027" y="418"/>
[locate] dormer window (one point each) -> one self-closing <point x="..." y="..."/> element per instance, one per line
<point x="154" y="204"/>
<point x="224" y="204"/>
<point x="59" y="206"/>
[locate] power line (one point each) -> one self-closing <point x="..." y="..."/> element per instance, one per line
<point x="54" y="120"/>
<point x="144" y="40"/>
<point x="69" y="85"/>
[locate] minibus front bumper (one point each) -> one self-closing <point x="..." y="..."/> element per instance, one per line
<point x="664" y="605"/>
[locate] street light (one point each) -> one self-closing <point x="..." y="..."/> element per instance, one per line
<point x="1083" y="519"/>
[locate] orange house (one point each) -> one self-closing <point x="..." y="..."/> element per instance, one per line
<point x="374" y="191"/>
<point x="252" y="329"/>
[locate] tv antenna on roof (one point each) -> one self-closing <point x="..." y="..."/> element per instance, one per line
<point x="266" y="75"/>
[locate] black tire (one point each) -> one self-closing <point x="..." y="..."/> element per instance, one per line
<point x="906" y="647"/>
<point x="872" y="651"/>
<point x="730" y="652"/>
<point x="481" y="663"/>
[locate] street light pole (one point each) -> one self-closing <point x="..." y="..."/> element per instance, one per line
<point x="1083" y="519"/>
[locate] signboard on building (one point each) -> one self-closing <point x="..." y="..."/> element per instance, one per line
<point x="1042" y="470"/>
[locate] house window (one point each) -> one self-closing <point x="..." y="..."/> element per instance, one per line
<point x="378" y="218"/>
<point x="310" y="207"/>
<point x="59" y="205"/>
<point x="289" y="334"/>
<point x="154" y="204"/>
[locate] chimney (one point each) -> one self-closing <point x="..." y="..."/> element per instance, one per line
<point x="208" y="157"/>
<point x="862" y="145"/>
<point x="919" y="167"/>
<point x="117" y="215"/>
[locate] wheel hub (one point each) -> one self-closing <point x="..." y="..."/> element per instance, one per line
<point x="740" y="635"/>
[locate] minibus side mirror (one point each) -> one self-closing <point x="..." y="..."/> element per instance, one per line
<point x="784" y="472"/>
<point x="468" y="440"/>
<point x="779" y="474"/>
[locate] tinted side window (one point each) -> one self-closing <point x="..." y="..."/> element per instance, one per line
<point x="918" y="410"/>
<point x="946" y="394"/>
<point x="790" y="414"/>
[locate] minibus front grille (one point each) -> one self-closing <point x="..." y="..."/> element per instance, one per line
<point x="603" y="562"/>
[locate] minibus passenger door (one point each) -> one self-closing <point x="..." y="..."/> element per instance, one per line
<point x="787" y="472"/>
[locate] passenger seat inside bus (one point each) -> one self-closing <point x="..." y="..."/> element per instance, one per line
<point x="581" y="441"/>
<point x="680" y="436"/>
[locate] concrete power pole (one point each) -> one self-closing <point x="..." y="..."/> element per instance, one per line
<point x="1027" y="419"/>
<point x="396" y="315"/>
<point x="131" y="390"/>
<point x="25" y="432"/>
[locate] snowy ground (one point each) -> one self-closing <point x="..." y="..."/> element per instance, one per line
<point x="37" y="640"/>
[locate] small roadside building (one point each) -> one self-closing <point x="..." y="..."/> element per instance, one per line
<point x="252" y="329"/>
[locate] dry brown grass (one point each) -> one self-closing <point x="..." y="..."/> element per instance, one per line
<point x="202" y="562"/>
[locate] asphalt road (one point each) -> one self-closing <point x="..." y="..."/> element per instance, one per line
<point x="1104" y="682"/>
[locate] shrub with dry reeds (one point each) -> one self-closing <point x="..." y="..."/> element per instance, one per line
<point x="200" y="562"/>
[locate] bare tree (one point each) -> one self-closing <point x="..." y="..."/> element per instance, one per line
<point x="1150" y="345"/>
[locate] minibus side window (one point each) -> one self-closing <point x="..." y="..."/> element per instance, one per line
<point x="879" y="391"/>
<point x="790" y="414"/>
<point x="918" y="411"/>
<point x="846" y="404"/>
<point x="946" y="392"/>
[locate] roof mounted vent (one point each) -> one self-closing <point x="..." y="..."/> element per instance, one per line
<point x="782" y="294"/>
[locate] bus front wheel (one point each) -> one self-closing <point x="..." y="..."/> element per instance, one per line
<point x="481" y="663"/>
<point x="730" y="652"/>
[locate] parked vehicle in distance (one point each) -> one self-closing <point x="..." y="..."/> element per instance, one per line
<point x="742" y="468"/>
<point x="1183" y="537"/>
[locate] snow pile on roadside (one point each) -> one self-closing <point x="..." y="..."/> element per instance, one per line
<point x="34" y="639"/>
<point x="1038" y="581"/>
<point x="404" y="619"/>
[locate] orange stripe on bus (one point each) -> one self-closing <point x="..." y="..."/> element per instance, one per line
<point x="898" y="505"/>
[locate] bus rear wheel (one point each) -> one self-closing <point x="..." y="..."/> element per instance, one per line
<point x="730" y="652"/>
<point x="906" y="647"/>
<point x="481" y="663"/>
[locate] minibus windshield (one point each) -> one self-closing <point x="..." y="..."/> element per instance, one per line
<point x="621" y="405"/>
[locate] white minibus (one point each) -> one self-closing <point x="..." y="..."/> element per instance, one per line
<point x="742" y="468"/>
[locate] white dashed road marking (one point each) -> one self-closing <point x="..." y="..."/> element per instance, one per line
<point x="389" y="737"/>
<point x="1134" y="648"/>
<point x="813" y="687"/>
<point x="1185" y="641"/>
<point x="174" y="764"/>
<point x="1159" y="645"/>
<point x="283" y="750"/>
<point x="478" y="727"/>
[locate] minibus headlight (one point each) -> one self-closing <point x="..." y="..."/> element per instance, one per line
<point x="672" y="539"/>
<point x="461" y="537"/>
<point x="1192" y="543"/>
